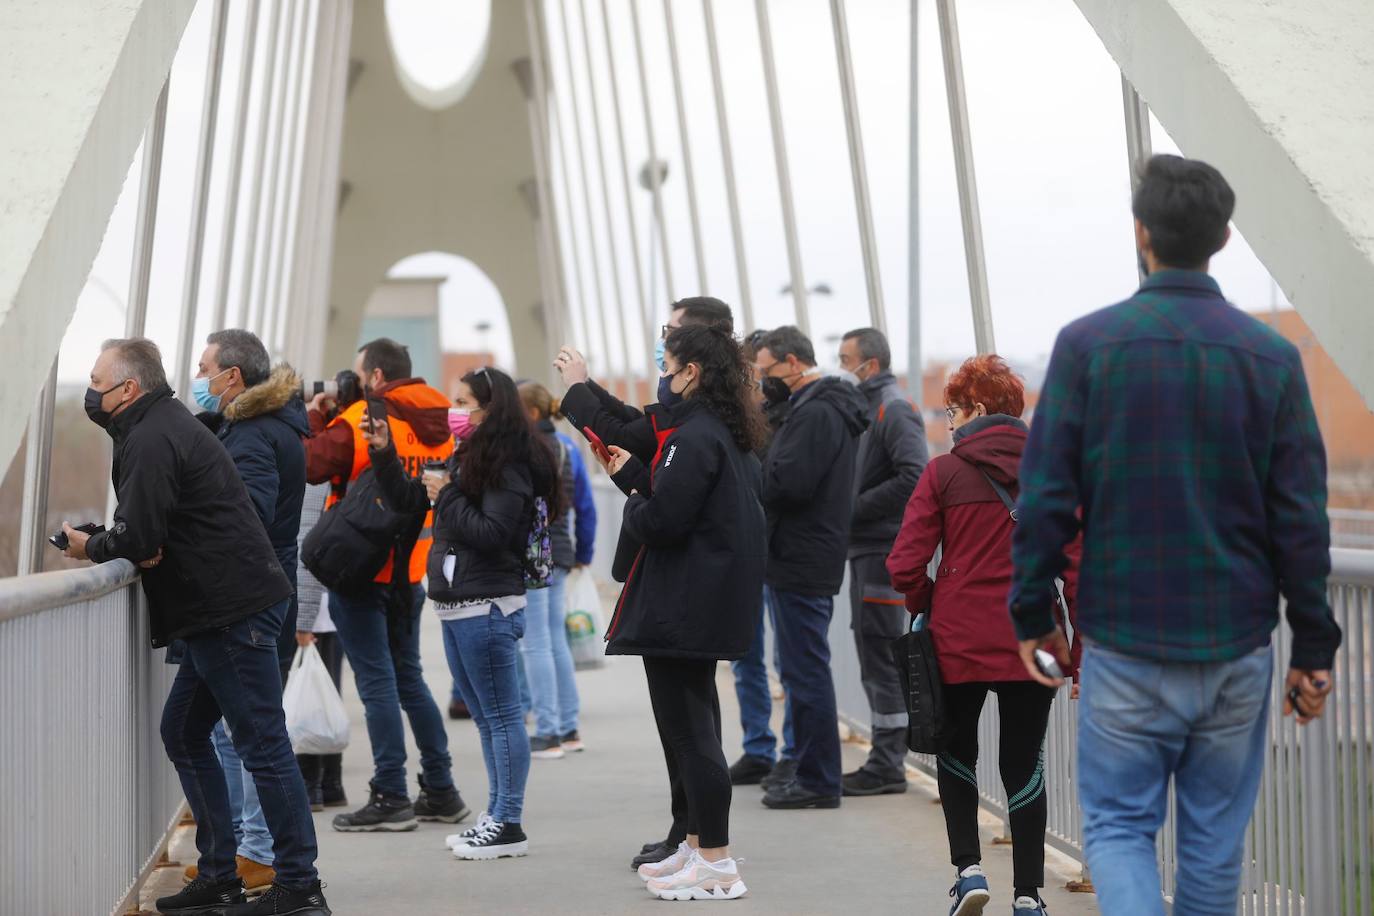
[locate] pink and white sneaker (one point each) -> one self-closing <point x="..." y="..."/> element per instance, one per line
<point x="651" y="871"/>
<point x="701" y="880"/>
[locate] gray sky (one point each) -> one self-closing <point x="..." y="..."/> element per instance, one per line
<point x="1045" y="104"/>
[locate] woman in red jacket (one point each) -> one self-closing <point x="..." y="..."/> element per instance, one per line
<point x="957" y="504"/>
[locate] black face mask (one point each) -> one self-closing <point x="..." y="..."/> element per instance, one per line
<point x="98" y="414"/>
<point x="775" y="390"/>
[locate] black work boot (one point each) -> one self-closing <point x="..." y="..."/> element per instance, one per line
<point x="331" y="781"/>
<point x="653" y="853"/>
<point x="750" y="770"/>
<point x="278" y="901"/>
<point x="203" y="896"/>
<point x="444" y="805"/>
<point x="392" y="813"/>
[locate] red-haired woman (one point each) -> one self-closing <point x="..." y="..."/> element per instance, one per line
<point x="960" y="504"/>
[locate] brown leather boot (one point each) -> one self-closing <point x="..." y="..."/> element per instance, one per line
<point x="255" y="875"/>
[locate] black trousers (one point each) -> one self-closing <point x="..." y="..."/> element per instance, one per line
<point x="687" y="712"/>
<point x="878" y="616"/>
<point x="1024" y="710"/>
<point x="325" y="767"/>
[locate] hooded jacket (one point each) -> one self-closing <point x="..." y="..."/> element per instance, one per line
<point x="180" y="493"/>
<point x="892" y="455"/>
<point x="808" y="487"/>
<point x="955" y="506"/>
<point x="695" y="587"/>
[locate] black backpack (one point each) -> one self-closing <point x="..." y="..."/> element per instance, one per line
<point x="350" y="543"/>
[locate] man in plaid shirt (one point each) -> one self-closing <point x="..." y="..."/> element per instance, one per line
<point x="1179" y="433"/>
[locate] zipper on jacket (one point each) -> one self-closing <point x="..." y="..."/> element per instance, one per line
<point x="624" y="593"/>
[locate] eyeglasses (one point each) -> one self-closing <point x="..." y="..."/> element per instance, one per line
<point x="952" y="411"/>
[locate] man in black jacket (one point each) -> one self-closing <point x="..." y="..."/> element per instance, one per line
<point x="892" y="455"/>
<point x="213" y="580"/>
<point x="808" y="493"/>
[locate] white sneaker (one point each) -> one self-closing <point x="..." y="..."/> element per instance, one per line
<point x="650" y="871"/>
<point x="454" y="840"/>
<point x="701" y="880"/>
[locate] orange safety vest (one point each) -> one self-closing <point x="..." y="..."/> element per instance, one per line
<point x="413" y="454"/>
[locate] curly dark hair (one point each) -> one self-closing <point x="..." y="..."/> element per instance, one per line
<point x="726" y="382"/>
<point x="504" y="436"/>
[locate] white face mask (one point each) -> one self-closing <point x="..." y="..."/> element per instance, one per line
<point x="848" y="376"/>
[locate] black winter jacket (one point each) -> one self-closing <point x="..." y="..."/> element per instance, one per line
<point x="614" y="421"/>
<point x="179" y="492"/>
<point x="486" y="537"/>
<point x="892" y="455"/>
<point x="695" y="588"/>
<point x="808" y="487"/>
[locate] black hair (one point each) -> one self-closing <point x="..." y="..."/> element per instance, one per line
<point x="505" y="436"/>
<point x="726" y="383"/>
<point x="872" y="345"/>
<point x="786" y="341"/>
<point x="389" y="356"/>
<point x="1186" y="205"/>
<point x="705" y="310"/>
<point x="752" y="341"/>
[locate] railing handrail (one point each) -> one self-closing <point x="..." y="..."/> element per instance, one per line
<point x="24" y="595"/>
<point x="1352" y="567"/>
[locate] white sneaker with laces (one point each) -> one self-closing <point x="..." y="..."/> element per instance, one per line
<point x="650" y="871"/>
<point x="701" y="880"/>
<point x="454" y="840"/>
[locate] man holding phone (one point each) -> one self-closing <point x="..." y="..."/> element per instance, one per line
<point x="379" y="625"/>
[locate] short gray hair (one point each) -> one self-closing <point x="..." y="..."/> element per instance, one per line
<point x="137" y="358"/>
<point x="243" y="349"/>
<point x="872" y="345"/>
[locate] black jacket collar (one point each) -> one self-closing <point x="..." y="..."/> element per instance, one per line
<point x="131" y="416"/>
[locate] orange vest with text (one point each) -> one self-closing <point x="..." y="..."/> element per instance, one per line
<point x="412" y="452"/>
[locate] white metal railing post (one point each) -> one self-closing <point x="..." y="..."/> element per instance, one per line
<point x="688" y="173"/>
<point x="235" y="167"/>
<point x="558" y="153"/>
<point x="655" y="175"/>
<point x="746" y="299"/>
<point x="915" y="363"/>
<point x="1138" y="145"/>
<point x="274" y="46"/>
<point x="541" y="123"/>
<point x="789" y="216"/>
<point x="33" y="514"/>
<point x="964" y="172"/>
<point x="200" y="199"/>
<point x="604" y="317"/>
<point x="858" y="166"/>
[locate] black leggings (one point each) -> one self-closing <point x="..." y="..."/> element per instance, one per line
<point x="1024" y="708"/>
<point x="687" y="712"/>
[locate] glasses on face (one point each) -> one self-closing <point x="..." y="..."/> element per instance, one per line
<point x="953" y="412"/>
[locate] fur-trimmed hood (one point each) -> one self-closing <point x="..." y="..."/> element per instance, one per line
<point x="279" y="396"/>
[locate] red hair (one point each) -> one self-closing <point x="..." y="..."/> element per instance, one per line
<point x="989" y="381"/>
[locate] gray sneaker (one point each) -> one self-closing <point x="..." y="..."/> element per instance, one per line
<point x="391" y="813"/>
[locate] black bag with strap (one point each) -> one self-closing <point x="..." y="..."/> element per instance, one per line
<point x="923" y="690"/>
<point x="351" y="542"/>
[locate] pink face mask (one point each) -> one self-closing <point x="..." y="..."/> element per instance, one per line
<point x="460" y="422"/>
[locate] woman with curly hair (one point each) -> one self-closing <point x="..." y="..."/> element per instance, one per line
<point x="691" y="597"/>
<point x="962" y="502"/>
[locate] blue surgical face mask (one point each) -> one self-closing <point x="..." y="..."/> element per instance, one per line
<point x="658" y="356"/>
<point x="200" y="390"/>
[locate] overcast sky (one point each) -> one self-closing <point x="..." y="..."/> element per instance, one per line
<point x="1045" y="105"/>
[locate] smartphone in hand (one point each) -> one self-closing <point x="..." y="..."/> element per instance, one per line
<point x="598" y="447"/>
<point x="376" y="413"/>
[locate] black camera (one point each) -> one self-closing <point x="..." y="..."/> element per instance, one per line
<point x="344" y="389"/>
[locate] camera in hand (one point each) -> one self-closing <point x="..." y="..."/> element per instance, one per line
<point x="344" y="389"/>
<point x="62" y="542"/>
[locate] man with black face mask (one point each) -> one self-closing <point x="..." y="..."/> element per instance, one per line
<point x="212" y="580"/>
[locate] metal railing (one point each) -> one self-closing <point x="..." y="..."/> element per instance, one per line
<point x="1352" y="528"/>
<point x="87" y="793"/>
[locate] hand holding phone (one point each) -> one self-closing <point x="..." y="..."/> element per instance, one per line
<point x="374" y="426"/>
<point x="599" y="449"/>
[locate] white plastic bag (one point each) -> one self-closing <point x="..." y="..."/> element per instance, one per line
<point x="585" y="621"/>
<point x="316" y="719"/>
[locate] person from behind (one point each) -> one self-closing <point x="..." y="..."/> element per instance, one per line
<point x="379" y="625"/>
<point x="762" y="762"/>
<point x="258" y="414"/>
<point x="548" y="659"/>
<point x="213" y="581"/>
<point x="588" y="405"/>
<point x="961" y="507"/>
<point x="892" y="454"/>
<point x="1184" y="429"/>
<point x="484" y="508"/>
<point x="808" y="492"/>
<point x="692" y="596"/>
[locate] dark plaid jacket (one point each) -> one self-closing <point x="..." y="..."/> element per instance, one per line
<point x="1184" y="430"/>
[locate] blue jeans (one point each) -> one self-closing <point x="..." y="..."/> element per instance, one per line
<point x="802" y="625"/>
<point x="231" y="673"/>
<point x="389" y="679"/>
<point x="1140" y="722"/>
<point x="548" y="660"/>
<point x="482" y="654"/>
<point x="756" y="698"/>
<point x="250" y="826"/>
